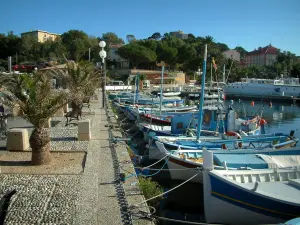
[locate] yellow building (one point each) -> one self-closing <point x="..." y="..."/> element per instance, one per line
<point x="41" y="36"/>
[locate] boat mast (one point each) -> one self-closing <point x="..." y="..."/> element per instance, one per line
<point x="200" y="118"/>
<point x="211" y="75"/>
<point x="137" y="82"/>
<point x="162" y="64"/>
<point x="224" y="74"/>
<point x="134" y="90"/>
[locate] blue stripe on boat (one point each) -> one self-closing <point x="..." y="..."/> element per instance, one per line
<point x="252" y="201"/>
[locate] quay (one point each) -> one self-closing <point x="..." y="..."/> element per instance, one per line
<point x="91" y="195"/>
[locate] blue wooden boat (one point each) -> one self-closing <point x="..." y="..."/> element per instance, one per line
<point x="184" y="164"/>
<point x="223" y="141"/>
<point x="214" y="120"/>
<point x="262" y="196"/>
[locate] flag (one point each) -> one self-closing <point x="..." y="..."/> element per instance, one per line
<point x="214" y="63"/>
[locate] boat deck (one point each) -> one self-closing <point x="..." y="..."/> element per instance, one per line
<point x="283" y="190"/>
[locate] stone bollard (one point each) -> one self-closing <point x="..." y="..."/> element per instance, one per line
<point x="17" y="139"/>
<point x="48" y="123"/>
<point x="59" y="113"/>
<point x="66" y="108"/>
<point x="84" y="130"/>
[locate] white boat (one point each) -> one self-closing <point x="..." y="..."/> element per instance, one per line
<point x="169" y="94"/>
<point x="262" y="88"/>
<point x="266" y="196"/>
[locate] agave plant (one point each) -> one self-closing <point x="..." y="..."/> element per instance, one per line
<point x="38" y="102"/>
<point x="81" y="79"/>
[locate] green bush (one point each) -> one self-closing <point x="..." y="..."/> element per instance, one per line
<point x="150" y="189"/>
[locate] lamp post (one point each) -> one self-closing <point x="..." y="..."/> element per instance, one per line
<point x="102" y="55"/>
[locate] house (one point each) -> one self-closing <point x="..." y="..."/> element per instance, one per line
<point x="41" y="36"/>
<point x="179" y="34"/>
<point x="154" y="76"/>
<point x="113" y="55"/>
<point x="262" y="56"/>
<point x="232" y="54"/>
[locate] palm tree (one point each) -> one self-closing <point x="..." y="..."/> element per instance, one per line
<point x="38" y="102"/>
<point x="81" y="79"/>
<point x="208" y="40"/>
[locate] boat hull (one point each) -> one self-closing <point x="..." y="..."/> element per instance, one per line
<point x="181" y="170"/>
<point x="229" y="204"/>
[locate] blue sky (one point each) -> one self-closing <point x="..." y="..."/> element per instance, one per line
<point x="246" y="23"/>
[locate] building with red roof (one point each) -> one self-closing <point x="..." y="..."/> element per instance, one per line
<point x="262" y="56"/>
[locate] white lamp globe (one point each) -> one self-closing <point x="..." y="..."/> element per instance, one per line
<point x="102" y="54"/>
<point x="102" y="44"/>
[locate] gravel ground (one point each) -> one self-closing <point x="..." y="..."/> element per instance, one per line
<point x="41" y="199"/>
<point x="61" y="163"/>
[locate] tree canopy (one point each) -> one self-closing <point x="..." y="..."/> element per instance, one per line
<point x="183" y="54"/>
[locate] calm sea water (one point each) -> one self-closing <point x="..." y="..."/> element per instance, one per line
<point x="280" y="117"/>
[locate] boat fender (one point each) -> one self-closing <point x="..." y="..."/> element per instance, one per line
<point x="262" y="122"/>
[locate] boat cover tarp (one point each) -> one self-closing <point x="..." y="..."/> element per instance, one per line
<point x="280" y="161"/>
<point x="240" y="160"/>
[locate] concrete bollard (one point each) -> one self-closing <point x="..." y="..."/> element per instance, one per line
<point x="17" y="140"/>
<point x="59" y="113"/>
<point x="48" y="123"/>
<point x="66" y="108"/>
<point x="84" y="130"/>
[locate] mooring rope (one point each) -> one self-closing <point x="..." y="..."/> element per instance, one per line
<point x="172" y="189"/>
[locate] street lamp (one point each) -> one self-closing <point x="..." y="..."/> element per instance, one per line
<point x="102" y="55"/>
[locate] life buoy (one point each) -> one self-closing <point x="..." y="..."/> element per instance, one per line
<point x="236" y="135"/>
<point x="252" y="103"/>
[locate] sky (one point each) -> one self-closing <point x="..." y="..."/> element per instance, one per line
<point x="250" y="24"/>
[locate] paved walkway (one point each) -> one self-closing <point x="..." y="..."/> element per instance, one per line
<point x="101" y="199"/>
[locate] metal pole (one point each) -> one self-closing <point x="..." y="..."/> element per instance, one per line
<point x="202" y="95"/>
<point x="103" y="83"/>
<point x="161" y="88"/>
<point x="104" y="66"/>
<point x="9" y="64"/>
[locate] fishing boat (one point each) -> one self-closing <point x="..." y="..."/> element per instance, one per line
<point x="264" y="196"/>
<point x="214" y="120"/>
<point x="225" y="141"/>
<point x="184" y="164"/>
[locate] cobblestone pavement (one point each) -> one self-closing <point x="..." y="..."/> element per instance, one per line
<point x="40" y="199"/>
